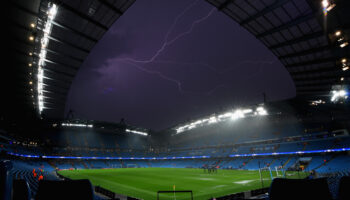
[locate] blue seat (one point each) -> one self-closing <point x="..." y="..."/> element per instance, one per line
<point x="5" y="180"/>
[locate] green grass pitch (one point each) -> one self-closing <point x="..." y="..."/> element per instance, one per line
<point x="144" y="183"/>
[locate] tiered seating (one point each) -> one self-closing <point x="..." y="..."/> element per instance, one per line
<point x="339" y="163"/>
<point x="22" y="171"/>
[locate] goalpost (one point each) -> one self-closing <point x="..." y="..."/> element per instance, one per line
<point x="117" y="166"/>
<point x="280" y="171"/>
<point x="132" y="166"/>
<point x="265" y="175"/>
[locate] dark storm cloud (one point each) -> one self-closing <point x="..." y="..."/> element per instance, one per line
<point x="167" y="61"/>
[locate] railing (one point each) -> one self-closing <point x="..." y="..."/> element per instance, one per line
<point x="174" y="192"/>
<point x="112" y="195"/>
<point x="245" y="195"/>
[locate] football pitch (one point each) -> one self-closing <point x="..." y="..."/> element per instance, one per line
<point x="144" y="183"/>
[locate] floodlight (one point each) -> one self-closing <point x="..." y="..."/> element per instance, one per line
<point x="327" y="6"/>
<point x="212" y="120"/>
<point x="136" y="132"/>
<point x="261" y="111"/>
<point x="237" y="114"/>
<point x="337" y="33"/>
<point x="233" y="115"/>
<point x="344" y="44"/>
<point x="77" y="125"/>
<point x="325" y="3"/>
<point x="246" y="111"/>
<point x="51" y="13"/>
<point x="225" y="115"/>
<point x="338" y="94"/>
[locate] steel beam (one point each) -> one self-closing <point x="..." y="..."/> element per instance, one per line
<point x="293" y="22"/>
<point x="267" y="9"/>
<point x="84" y="16"/>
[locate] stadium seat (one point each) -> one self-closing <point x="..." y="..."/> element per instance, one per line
<point x="72" y="189"/>
<point x="300" y="189"/>
<point x="5" y="180"/>
<point x="344" y="188"/>
<point x="20" y="190"/>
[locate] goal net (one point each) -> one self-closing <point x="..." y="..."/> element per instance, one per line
<point x="132" y="166"/>
<point x="280" y="173"/>
<point x="266" y="176"/>
<point x="116" y="165"/>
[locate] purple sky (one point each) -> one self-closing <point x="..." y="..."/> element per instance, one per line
<point x="165" y="61"/>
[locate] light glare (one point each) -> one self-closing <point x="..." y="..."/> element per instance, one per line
<point x="234" y="115"/>
<point x="338" y="94"/>
<point x="136" y="132"/>
<point x="337" y="33"/>
<point x="77" y="125"/>
<point x="51" y="13"/>
<point x="344" y="44"/>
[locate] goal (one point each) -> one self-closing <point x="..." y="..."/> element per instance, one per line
<point x="280" y="171"/>
<point x="132" y="166"/>
<point x="266" y="176"/>
<point x="116" y="165"/>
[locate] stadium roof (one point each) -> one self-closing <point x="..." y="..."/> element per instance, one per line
<point x="76" y="28"/>
<point x="296" y="31"/>
<point x="300" y="35"/>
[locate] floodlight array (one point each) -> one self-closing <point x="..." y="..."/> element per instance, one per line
<point x="77" y="125"/>
<point x="233" y="115"/>
<point x="345" y="64"/>
<point x="136" y="132"/>
<point x="317" y="102"/>
<point x="51" y="14"/>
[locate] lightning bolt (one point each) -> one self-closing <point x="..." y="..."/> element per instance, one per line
<point x="192" y="27"/>
<point x="167" y="42"/>
<point x="212" y="68"/>
<point x="177" y="82"/>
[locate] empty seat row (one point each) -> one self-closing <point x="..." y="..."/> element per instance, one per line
<point x="307" y="189"/>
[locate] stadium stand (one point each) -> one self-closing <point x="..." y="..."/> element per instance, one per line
<point x="301" y="146"/>
<point x="325" y="165"/>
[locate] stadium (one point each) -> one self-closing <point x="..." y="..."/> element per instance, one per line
<point x="175" y="99"/>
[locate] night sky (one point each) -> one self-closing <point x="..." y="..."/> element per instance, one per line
<point x="165" y="61"/>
